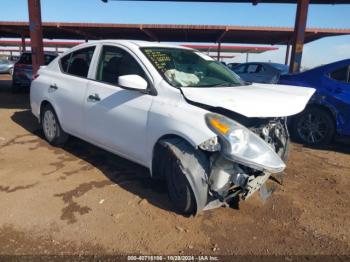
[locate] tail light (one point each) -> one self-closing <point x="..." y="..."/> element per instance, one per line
<point x="35" y="76"/>
<point x="20" y="65"/>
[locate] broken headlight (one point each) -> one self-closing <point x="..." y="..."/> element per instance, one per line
<point x="243" y="146"/>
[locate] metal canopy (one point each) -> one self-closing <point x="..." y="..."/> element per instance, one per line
<point x="168" y="33"/>
<point x="254" y="2"/>
<point x="232" y="49"/>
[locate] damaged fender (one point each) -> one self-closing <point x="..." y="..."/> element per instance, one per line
<point x="194" y="165"/>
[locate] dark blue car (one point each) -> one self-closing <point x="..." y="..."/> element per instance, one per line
<point x="328" y="112"/>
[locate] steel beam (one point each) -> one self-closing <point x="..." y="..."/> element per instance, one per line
<point x="287" y="53"/>
<point x="299" y="35"/>
<point x="36" y="34"/>
<point x="23" y="42"/>
<point x="149" y="33"/>
<point x="219" y="51"/>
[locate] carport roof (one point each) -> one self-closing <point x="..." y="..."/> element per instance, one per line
<point x="168" y="32"/>
<point x="257" y="1"/>
<point x="232" y="49"/>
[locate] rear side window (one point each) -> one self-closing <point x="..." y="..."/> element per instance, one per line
<point x="240" y="69"/>
<point x="78" y="62"/>
<point x="255" y="69"/>
<point x="48" y="59"/>
<point x="341" y="74"/>
<point x="25" y="59"/>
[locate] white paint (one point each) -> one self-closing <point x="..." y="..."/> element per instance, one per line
<point x="256" y="100"/>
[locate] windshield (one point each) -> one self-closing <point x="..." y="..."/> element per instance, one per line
<point x="182" y="68"/>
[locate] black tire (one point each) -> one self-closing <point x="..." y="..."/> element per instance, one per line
<point x="314" y="126"/>
<point x="179" y="189"/>
<point x="56" y="136"/>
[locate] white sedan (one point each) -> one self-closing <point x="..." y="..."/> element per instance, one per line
<point x="174" y="110"/>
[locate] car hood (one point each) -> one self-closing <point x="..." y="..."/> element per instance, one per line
<point x="255" y="100"/>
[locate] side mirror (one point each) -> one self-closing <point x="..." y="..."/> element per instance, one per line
<point x="132" y="82"/>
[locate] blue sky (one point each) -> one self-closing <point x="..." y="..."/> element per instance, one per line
<point x="318" y="52"/>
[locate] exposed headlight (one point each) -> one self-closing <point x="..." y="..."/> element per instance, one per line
<point x="210" y="145"/>
<point x="243" y="146"/>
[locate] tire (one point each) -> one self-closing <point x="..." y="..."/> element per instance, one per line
<point x="314" y="126"/>
<point x="11" y="71"/>
<point x="52" y="129"/>
<point x="179" y="189"/>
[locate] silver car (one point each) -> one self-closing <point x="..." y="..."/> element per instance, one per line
<point x="259" y="72"/>
<point x="6" y="66"/>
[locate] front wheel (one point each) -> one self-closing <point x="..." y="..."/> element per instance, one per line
<point x="179" y="188"/>
<point x="53" y="132"/>
<point x="314" y="126"/>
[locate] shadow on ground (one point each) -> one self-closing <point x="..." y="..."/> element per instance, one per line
<point x="128" y="175"/>
<point x="9" y="100"/>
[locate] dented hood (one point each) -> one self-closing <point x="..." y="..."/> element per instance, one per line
<point x="255" y="100"/>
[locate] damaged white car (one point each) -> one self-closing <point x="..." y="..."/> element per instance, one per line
<point x="174" y="110"/>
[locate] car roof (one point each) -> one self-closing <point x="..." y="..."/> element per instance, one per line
<point x="138" y="43"/>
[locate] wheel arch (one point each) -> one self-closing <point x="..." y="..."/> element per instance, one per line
<point x="157" y="148"/>
<point x="332" y="112"/>
<point x="42" y="105"/>
<point x="46" y="102"/>
<point x="194" y="164"/>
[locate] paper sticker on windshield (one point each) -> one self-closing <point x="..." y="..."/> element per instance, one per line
<point x="204" y="56"/>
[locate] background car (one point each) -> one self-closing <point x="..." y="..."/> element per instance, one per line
<point x="6" y="66"/>
<point x="328" y="112"/>
<point x="232" y="65"/>
<point x="22" y="71"/>
<point x="260" y="72"/>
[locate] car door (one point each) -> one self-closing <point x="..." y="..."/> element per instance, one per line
<point x="67" y="90"/>
<point x="115" y="117"/>
<point x="337" y="85"/>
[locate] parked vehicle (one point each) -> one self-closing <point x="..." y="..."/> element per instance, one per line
<point x="6" y="66"/>
<point x="232" y="65"/>
<point x="259" y="72"/>
<point x="328" y="112"/>
<point x="23" y="71"/>
<point x="174" y="110"/>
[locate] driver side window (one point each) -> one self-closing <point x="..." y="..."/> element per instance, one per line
<point x="115" y="62"/>
<point x="341" y="74"/>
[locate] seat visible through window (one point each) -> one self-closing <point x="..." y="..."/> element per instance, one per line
<point x="116" y="62"/>
<point x="79" y="67"/>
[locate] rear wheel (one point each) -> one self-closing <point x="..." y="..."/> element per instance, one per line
<point x="314" y="126"/>
<point x="53" y="132"/>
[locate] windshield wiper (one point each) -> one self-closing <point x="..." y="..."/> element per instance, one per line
<point x="225" y="85"/>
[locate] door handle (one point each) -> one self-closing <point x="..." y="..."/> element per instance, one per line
<point x="94" y="98"/>
<point x="54" y="86"/>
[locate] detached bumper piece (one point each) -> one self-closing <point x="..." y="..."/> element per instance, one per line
<point x="230" y="180"/>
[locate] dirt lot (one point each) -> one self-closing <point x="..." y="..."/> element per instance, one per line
<point x="82" y="200"/>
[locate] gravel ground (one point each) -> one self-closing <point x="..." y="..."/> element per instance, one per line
<point x="83" y="200"/>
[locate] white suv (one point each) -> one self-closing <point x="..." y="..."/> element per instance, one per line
<point x="174" y="110"/>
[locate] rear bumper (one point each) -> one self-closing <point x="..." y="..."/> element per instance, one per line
<point x="21" y="80"/>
